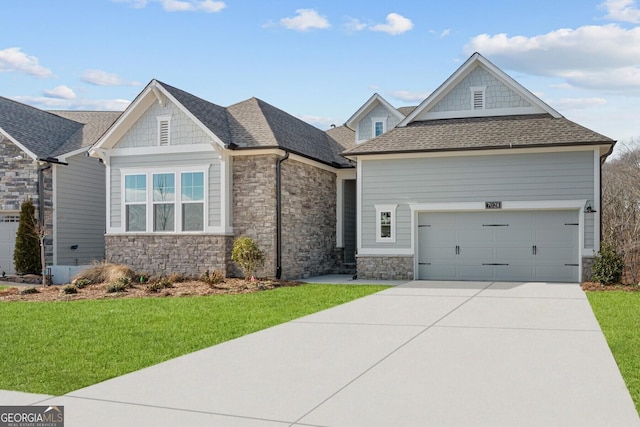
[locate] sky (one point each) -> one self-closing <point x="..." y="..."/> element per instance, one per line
<point x="320" y="60"/>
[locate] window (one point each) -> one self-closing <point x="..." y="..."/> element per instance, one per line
<point x="164" y="130"/>
<point x="386" y="223"/>
<point x="192" y="195"/>
<point x="164" y="196"/>
<point x="478" y="97"/>
<point x="135" y="200"/>
<point x="379" y="126"/>
<point x="170" y="202"/>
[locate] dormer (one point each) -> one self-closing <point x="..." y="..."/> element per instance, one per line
<point x="374" y="118"/>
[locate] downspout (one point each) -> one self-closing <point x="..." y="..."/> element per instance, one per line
<point x="279" y="214"/>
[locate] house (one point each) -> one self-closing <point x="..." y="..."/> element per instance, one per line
<point x="481" y="181"/>
<point x="186" y="177"/>
<point x="43" y="157"/>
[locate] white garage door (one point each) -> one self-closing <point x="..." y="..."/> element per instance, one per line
<point x="8" y="229"/>
<point x="507" y="246"/>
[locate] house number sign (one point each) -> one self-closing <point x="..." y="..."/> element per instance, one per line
<point x="493" y="205"/>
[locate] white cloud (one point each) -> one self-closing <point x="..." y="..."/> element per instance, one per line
<point x="208" y="6"/>
<point x="60" y="92"/>
<point x="354" y="24"/>
<point x="603" y="57"/>
<point x="408" y="96"/>
<point x="396" y="24"/>
<point x="103" y="78"/>
<point x="622" y="10"/>
<point x="305" y="19"/>
<point x="47" y="103"/>
<point x="577" y="103"/>
<point x="445" y="33"/>
<point x="13" y="59"/>
<point x="318" y="121"/>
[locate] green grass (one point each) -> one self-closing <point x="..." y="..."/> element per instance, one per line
<point x="618" y="313"/>
<point x="57" y="347"/>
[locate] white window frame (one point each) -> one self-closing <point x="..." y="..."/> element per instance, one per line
<point x="375" y="120"/>
<point x="178" y="202"/>
<point x="160" y="120"/>
<point x="163" y="202"/>
<point x="481" y="89"/>
<point x="136" y="203"/>
<point x="380" y="209"/>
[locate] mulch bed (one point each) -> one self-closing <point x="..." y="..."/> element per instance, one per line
<point x="139" y="290"/>
<point x="594" y="286"/>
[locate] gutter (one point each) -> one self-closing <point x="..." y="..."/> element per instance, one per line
<point x="279" y="215"/>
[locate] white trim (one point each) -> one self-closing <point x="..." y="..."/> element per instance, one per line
<point x="463" y="114"/>
<point x="375" y="120"/>
<point x="107" y="223"/>
<point x="64" y="157"/>
<point x="212" y="231"/>
<point x="359" y="206"/>
<point x="159" y="120"/>
<point x="54" y="213"/>
<point x="178" y="171"/>
<point x="20" y="146"/>
<point x="162" y="149"/>
<point x="483" y="91"/>
<point x="368" y="106"/>
<point x="391" y="208"/>
<point x="226" y="191"/>
<point x="385" y="251"/>
<point x="468" y="153"/>
<point x="597" y="202"/>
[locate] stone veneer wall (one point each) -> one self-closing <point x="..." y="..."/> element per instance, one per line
<point x="254" y="207"/>
<point x="308" y="220"/>
<point x="186" y="254"/>
<point x="385" y="267"/>
<point x="19" y="182"/>
<point x="587" y="263"/>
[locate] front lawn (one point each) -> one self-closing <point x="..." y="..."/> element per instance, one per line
<point x="618" y="313"/>
<point x="56" y="347"/>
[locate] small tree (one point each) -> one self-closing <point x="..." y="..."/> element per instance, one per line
<point x="26" y="255"/>
<point x="247" y="255"/>
<point x="608" y="266"/>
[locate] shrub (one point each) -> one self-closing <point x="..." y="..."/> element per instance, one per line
<point x="608" y="266"/>
<point x="214" y="278"/>
<point x="69" y="289"/>
<point x="178" y="278"/>
<point x="105" y="272"/>
<point x="159" y="284"/>
<point x="26" y="255"/>
<point x="119" y="285"/>
<point x="27" y="291"/>
<point x="247" y="255"/>
<point x="81" y="283"/>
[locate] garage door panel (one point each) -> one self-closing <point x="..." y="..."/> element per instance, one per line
<point x="536" y="245"/>
<point x="8" y="229"/>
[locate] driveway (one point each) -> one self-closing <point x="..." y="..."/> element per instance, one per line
<point x="418" y="354"/>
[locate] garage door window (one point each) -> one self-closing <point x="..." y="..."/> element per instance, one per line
<point x="386" y="223"/>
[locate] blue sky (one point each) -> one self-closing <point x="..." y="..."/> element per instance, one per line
<point x="321" y="60"/>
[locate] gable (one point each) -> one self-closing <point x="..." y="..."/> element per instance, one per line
<point x="182" y="130"/>
<point x="497" y="95"/>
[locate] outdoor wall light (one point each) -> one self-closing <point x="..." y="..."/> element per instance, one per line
<point x="74" y="247"/>
<point x="589" y="209"/>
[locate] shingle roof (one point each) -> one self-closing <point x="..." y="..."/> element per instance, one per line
<point x="405" y="111"/>
<point x="95" y="124"/>
<point x="50" y="134"/>
<point x="254" y="123"/>
<point x="344" y="136"/>
<point x="481" y="133"/>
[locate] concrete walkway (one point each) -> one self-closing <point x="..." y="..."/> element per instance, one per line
<point x="418" y="354"/>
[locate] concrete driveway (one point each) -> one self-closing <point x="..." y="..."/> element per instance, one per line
<point x="418" y="354"/>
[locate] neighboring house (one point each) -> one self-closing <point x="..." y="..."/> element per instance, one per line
<point x="481" y="181"/>
<point x="43" y="157"/>
<point x="186" y="177"/>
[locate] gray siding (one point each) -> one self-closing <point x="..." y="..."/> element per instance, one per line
<point x="166" y="161"/>
<point x="80" y="208"/>
<point x="497" y="95"/>
<point x="144" y="133"/>
<point x="365" y="125"/>
<point x="513" y="177"/>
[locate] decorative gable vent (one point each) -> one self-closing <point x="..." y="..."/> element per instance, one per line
<point x="163" y="130"/>
<point x="477" y="97"/>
